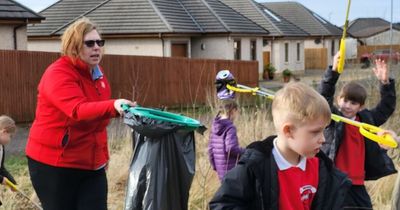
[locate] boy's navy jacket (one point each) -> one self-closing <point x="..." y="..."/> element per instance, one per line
<point x="377" y="163"/>
<point x="253" y="183"/>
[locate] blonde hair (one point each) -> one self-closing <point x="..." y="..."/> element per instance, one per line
<point x="8" y="124"/>
<point x="72" y="39"/>
<point x="298" y="103"/>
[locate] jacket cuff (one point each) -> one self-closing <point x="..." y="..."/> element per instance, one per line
<point x="389" y="85"/>
<point x="331" y="75"/>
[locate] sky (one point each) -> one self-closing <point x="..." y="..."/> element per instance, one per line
<point x="332" y="10"/>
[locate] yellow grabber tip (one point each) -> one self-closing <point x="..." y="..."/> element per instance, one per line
<point x="367" y="130"/>
<point x="14" y="188"/>
<point x="11" y="185"/>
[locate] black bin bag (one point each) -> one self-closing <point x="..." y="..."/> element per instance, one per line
<point x="162" y="166"/>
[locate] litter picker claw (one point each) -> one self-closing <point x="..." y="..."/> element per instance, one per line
<point x="14" y="188"/>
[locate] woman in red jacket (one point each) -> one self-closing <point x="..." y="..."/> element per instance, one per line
<point x="67" y="145"/>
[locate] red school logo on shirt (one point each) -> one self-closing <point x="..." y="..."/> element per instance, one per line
<point x="307" y="193"/>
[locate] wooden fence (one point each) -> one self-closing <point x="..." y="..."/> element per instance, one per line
<point x="151" y="81"/>
<point x="315" y="58"/>
<point x="371" y="48"/>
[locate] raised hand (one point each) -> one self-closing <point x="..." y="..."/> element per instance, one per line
<point x="335" y="61"/>
<point x="381" y="71"/>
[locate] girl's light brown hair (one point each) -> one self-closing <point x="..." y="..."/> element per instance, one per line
<point x="72" y="39"/>
<point x="7" y="123"/>
<point x="226" y="106"/>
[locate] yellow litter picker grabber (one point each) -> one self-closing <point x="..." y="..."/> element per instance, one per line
<point x="367" y="130"/>
<point x="342" y="50"/>
<point x="15" y="189"/>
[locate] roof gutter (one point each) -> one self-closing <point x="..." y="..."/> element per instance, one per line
<point x="162" y="43"/>
<point x="15" y="33"/>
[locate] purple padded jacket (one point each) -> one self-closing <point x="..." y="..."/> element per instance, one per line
<point x="223" y="146"/>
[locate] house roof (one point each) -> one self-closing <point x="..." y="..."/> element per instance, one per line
<point x="304" y="18"/>
<point x="366" y="27"/>
<point x="11" y="10"/>
<point x="146" y="16"/>
<point x="274" y="23"/>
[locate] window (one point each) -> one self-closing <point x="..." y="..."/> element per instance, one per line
<point x="236" y="50"/>
<point x="286" y="52"/>
<point x="272" y="15"/>
<point x="333" y="48"/>
<point x="298" y="51"/>
<point x="253" y="50"/>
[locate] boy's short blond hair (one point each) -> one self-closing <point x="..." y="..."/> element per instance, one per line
<point x="7" y="123"/>
<point x="298" y="103"/>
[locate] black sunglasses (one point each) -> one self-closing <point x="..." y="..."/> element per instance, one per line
<point x="90" y="43"/>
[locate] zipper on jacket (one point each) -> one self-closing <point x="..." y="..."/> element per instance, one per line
<point x="95" y="86"/>
<point x="65" y="139"/>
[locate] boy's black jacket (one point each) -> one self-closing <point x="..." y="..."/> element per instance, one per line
<point x="4" y="172"/>
<point x="377" y="163"/>
<point x="253" y="183"/>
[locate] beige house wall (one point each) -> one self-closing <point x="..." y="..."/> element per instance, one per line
<point x="7" y="37"/>
<point x="278" y="55"/>
<point x="383" y="38"/>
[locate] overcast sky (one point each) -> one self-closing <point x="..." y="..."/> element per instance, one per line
<point x="331" y="10"/>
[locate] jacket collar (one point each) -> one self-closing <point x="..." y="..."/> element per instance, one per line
<point x="79" y="65"/>
<point x="282" y="163"/>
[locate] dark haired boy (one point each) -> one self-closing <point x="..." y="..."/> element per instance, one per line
<point x="352" y="153"/>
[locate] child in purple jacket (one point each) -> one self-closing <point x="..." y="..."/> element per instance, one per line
<point x="223" y="148"/>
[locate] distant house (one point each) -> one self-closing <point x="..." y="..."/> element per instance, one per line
<point x="284" y="45"/>
<point x="14" y="18"/>
<point x="170" y="28"/>
<point x="321" y="33"/>
<point x="370" y="32"/>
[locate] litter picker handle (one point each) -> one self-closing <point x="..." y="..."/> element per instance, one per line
<point x="343" y="41"/>
<point x="365" y="129"/>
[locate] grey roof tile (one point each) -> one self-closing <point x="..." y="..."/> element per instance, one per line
<point x="13" y="10"/>
<point x="274" y="23"/>
<point x="233" y="20"/>
<point x="304" y="18"/>
<point x="146" y="16"/>
<point x="61" y="13"/>
<point x="366" y="27"/>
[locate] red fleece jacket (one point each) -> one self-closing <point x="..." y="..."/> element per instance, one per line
<point x="71" y="117"/>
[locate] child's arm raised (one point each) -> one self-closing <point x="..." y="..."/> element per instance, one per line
<point x="387" y="103"/>
<point x="328" y="82"/>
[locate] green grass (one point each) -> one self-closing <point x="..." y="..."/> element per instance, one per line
<point x="15" y="164"/>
